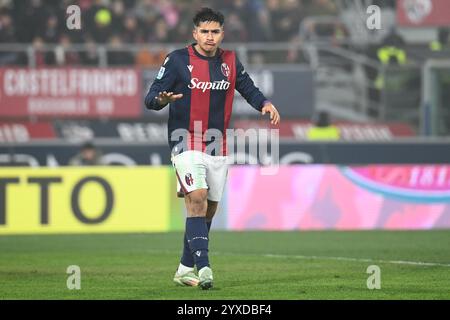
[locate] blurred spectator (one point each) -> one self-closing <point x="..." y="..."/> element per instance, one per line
<point x="235" y="30"/>
<point x="295" y="53"/>
<point x="183" y="32"/>
<point x="51" y="34"/>
<point x="84" y="4"/>
<point x="7" y="35"/>
<point x="131" y="32"/>
<point x="390" y="79"/>
<point x="247" y="16"/>
<point x="169" y="12"/>
<point x="442" y="41"/>
<point x="385" y="3"/>
<point x="89" y="155"/>
<point x="160" y="34"/>
<point x="117" y="16"/>
<point x="394" y="39"/>
<point x="275" y="14"/>
<point x="145" y="12"/>
<point x="65" y="56"/>
<point x="340" y="34"/>
<point x="42" y="57"/>
<point x="90" y="55"/>
<point x="151" y="21"/>
<point x="7" y="29"/>
<point x="392" y="52"/>
<point x="326" y="29"/>
<point x="257" y="20"/>
<point x="102" y="29"/>
<point x="261" y="20"/>
<point x="6" y="4"/>
<point x="285" y="19"/>
<point x="321" y="8"/>
<point x="257" y="59"/>
<point x="30" y="17"/>
<point x="118" y="56"/>
<point x="129" y="4"/>
<point x="323" y="129"/>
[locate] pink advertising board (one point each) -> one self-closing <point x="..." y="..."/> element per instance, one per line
<point x="70" y="92"/>
<point x="318" y="197"/>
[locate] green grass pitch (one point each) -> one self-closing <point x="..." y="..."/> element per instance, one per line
<point x="247" y="265"/>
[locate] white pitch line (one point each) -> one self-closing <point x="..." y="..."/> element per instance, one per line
<point x="284" y="256"/>
<point x="414" y="263"/>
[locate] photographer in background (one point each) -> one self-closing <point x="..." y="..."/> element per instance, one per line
<point x="323" y="129"/>
<point x="89" y="155"/>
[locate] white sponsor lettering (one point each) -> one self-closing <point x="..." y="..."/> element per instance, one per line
<point x="216" y="85"/>
<point x="14" y="133"/>
<point x="60" y="106"/>
<point x="69" y="82"/>
<point x="349" y="132"/>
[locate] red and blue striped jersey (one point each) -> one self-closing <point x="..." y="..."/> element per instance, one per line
<point x="208" y="85"/>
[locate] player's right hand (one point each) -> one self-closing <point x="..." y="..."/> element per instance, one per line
<point x="164" y="98"/>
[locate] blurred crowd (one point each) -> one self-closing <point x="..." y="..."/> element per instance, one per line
<point x="119" y="22"/>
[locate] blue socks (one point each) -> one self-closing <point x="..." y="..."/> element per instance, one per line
<point x="187" y="259"/>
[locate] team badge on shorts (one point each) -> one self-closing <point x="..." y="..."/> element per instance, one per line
<point x="225" y="69"/>
<point x="188" y="178"/>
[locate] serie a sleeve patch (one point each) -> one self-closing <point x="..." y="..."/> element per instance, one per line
<point x="161" y="73"/>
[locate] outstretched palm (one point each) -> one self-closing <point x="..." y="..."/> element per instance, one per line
<point x="164" y="98"/>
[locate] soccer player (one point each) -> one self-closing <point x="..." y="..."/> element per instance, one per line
<point x="198" y="82"/>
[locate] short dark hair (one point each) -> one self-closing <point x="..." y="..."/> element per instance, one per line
<point x="88" y="145"/>
<point x="208" y="14"/>
<point x="323" y="119"/>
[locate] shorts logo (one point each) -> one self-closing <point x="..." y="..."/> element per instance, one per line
<point x="188" y="178"/>
<point x="225" y="69"/>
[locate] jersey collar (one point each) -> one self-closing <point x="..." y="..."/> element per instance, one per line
<point x="198" y="54"/>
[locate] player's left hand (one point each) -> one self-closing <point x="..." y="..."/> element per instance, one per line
<point x="274" y="115"/>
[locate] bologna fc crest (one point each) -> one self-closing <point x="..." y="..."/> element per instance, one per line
<point x="188" y="178"/>
<point x="417" y="10"/>
<point x="225" y="69"/>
